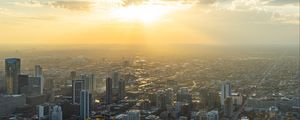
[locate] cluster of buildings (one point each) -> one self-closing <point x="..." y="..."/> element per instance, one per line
<point x="133" y="93"/>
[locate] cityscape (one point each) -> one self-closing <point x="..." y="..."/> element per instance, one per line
<point x="149" y="60"/>
<point x="134" y="87"/>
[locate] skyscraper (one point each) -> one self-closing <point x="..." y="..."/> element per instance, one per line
<point x="39" y="73"/>
<point x="56" y="113"/>
<point x="213" y="115"/>
<point x="169" y="96"/>
<point x="12" y="71"/>
<point x="77" y="86"/>
<point x="228" y="107"/>
<point x="73" y="75"/>
<point x="133" y="115"/>
<point x="225" y="91"/>
<point x="84" y="105"/>
<point x="35" y="84"/>
<point x="89" y="82"/>
<point x="183" y="95"/>
<point x="115" y="78"/>
<point x="121" y="89"/>
<point x="108" y="90"/>
<point x="23" y="81"/>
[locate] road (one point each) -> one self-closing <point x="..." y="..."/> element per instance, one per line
<point x="266" y="73"/>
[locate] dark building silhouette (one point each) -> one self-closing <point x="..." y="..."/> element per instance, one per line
<point x="109" y="90"/>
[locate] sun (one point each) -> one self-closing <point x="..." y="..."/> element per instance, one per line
<point x="140" y="13"/>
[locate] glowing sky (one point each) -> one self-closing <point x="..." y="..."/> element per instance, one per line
<point x="149" y="21"/>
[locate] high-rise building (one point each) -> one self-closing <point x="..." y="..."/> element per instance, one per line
<point x="39" y="73"/>
<point x="169" y="94"/>
<point x="121" y="90"/>
<point x="225" y="91"/>
<point x="89" y="82"/>
<point x="35" y="85"/>
<point x="2" y="83"/>
<point x="164" y="98"/>
<point x="160" y="99"/>
<point x="133" y="115"/>
<point x="23" y="81"/>
<point x="212" y="99"/>
<point x="77" y="86"/>
<point x="73" y="75"/>
<point x="12" y="71"/>
<point x="84" y="105"/>
<point x="228" y="107"/>
<point x="109" y="90"/>
<point x="115" y="79"/>
<point x="9" y="103"/>
<point x="183" y="95"/>
<point x="43" y="111"/>
<point x="56" y="113"/>
<point x="213" y="115"/>
<point x="203" y="92"/>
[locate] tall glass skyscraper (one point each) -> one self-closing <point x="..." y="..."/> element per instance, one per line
<point x="39" y="73"/>
<point x="12" y="71"/>
<point x="84" y="105"/>
<point x="77" y="86"/>
<point x="225" y="91"/>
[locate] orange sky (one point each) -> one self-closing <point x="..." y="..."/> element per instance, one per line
<point x="148" y="22"/>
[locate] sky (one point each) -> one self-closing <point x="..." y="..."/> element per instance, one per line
<point x="207" y="22"/>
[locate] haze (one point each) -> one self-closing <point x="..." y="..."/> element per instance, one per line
<point x="149" y="22"/>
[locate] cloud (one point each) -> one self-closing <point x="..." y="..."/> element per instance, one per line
<point x="284" y="11"/>
<point x="132" y="2"/>
<point x="72" y="5"/>
<point x="29" y="3"/>
<point x="3" y="11"/>
<point x="39" y="17"/>
<point x="283" y="2"/>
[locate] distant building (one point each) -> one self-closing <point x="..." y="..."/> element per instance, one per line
<point x="212" y="99"/>
<point x="39" y="73"/>
<point x="2" y="83"/>
<point x="73" y="75"/>
<point x="228" y="107"/>
<point x="213" y="115"/>
<point x="169" y="96"/>
<point x="35" y="84"/>
<point x="183" y="95"/>
<point x="43" y="111"/>
<point x="201" y="115"/>
<point x="160" y="100"/>
<point x="89" y="82"/>
<point x="23" y="81"/>
<point x="109" y="91"/>
<point x="77" y="86"/>
<point x="133" y="115"/>
<point x="183" y="118"/>
<point x="225" y="91"/>
<point x="12" y="71"/>
<point x="84" y="105"/>
<point x="9" y="103"/>
<point x="115" y="79"/>
<point x="121" y="90"/>
<point x="56" y="113"/>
